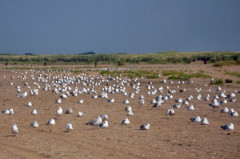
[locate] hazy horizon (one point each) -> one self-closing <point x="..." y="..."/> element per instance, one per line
<point x="137" y="26"/>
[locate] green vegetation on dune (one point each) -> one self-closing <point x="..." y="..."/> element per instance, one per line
<point x="237" y="74"/>
<point x="218" y="82"/>
<point x="179" y="75"/>
<point x="131" y="73"/>
<point x="171" y="57"/>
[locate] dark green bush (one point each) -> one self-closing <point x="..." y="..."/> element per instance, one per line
<point x="228" y="81"/>
<point x="218" y="82"/>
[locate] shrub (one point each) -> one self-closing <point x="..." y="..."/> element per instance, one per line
<point x="228" y="81"/>
<point x="238" y="82"/>
<point x="179" y="78"/>
<point x="218" y="82"/>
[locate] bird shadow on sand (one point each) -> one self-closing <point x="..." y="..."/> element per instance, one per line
<point x="11" y="136"/>
<point x="66" y="131"/>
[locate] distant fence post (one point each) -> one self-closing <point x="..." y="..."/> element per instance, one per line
<point x="205" y="61"/>
<point x="95" y="63"/>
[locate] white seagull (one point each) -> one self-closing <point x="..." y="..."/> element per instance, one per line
<point x="196" y="119"/>
<point x="170" y="112"/>
<point x="103" y="124"/>
<point x="35" y="124"/>
<point x="125" y="121"/>
<point x="69" y="126"/>
<point x="29" y="104"/>
<point x="80" y="114"/>
<point x="34" y="112"/>
<point x="69" y="111"/>
<point x="204" y="121"/>
<point x="96" y="121"/>
<point x="228" y="127"/>
<point x="145" y="126"/>
<point x="23" y="95"/>
<point x="14" y="129"/>
<point x="51" y="122"/>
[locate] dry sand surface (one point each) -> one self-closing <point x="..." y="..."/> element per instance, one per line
<point x="169" y="136"/>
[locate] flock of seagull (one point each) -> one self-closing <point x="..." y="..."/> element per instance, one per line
<point x="66" y="85"/>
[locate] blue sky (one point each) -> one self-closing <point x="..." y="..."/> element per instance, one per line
<point x="127" y="26"/>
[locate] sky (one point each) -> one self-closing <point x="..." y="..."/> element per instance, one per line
<point x="118" y="26"/>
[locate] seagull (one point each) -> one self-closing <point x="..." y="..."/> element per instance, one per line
<point x="58" y="101"/>
<point x="204" y="121"/>
<point x="104" y="117"/>
<point x="141" y="101"/>
<point x="80" y="114"/>
<point x="5" y="111"/>
<point x="179" y="100"/>
<point x="196" y="119"/>
<point x="80" y="101"/>
<point x="233" y="100"/>
<point x="59" y="111"/>
<point x="69" y="111"/>
<point x="145" y="127"/>
<point x="103" y="124"/>
<point x="14" y="129"/>
<point x="158" y="103"/>
<point x="191" y="107"/>
<point x="69" y="126"/>
<point x="231" y="95"/>
<point x="63" y="96"/>
<point x="234" y="113"/>
<point x="34" y="112"/>
<point x="11" y="111"/>
<point x="177" y="106"/>
<point x="51" y="122"/>
<point x="35" y="124"/>
<point x="29" y="104"/>
<point x="126" y="102"/>
<point x="125" y="121"/>
<point x="228" y="127"/>
<point x="186" y="102"/>
<point x="96" y="121"/>
<point x="130" y="113"/>
<point x="231" y="111"/>
<point x="128" y="108"/>
<point x="95" y="96"/>
<point x="225" y="110"/>
<point x="170" y="112"/>
<point x="23" y="95"/>
<point x="111" y="100"/>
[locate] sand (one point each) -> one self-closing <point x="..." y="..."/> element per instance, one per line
<point x="169" y="136"/>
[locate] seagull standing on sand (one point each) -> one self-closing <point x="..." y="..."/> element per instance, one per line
<point x="34" y="112"/>
<point x="14" y="129"/>
<point x="96" y="121"/>
<point x="29" y="104"/>
<point x="35" y="124"/>
<point x="145" y="126"/>
<point x="196" y="119"/>
<point x="69" y="126"/>
<point x="51" y="122"/>
<point x="170" y="112"/>
<point x="80" y="114"/>
<point x="23" y="95"/>
<point x="103" y="124"/>
<point x="59" y="111"/>
<point x="228" y="127"/>
<point x="125" y="121"/>
<point x="204" y="121"/>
